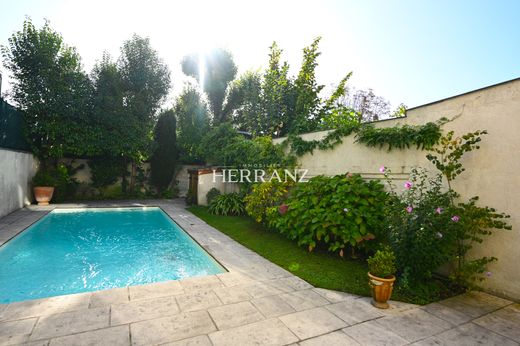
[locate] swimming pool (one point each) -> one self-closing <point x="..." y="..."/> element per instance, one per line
<point x="80" y="250"/>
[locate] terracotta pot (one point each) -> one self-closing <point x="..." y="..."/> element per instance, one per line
<point x="381" y="290"/>
<point x="43" y="194"/>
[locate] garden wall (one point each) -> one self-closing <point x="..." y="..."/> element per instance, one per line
<point x="16" y="171"/>
<point x="491" y="172"/>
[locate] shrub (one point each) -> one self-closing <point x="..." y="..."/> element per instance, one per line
<point x="106" y="170"/>
<point x="263" y="201"/>
<point x="44" y="178"/>
<point x="382" y="264"/>
<point x="337" y="212"/>
<point x="58" y="177"/>
<point x="191" y="198"/>
<point x="212" y="193"/>
<point x="164" y="158"/>
<point x="228" y="204"/>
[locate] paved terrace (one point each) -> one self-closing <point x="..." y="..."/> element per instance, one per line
<point x="255" y="303"/>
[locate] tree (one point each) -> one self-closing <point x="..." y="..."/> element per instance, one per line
<point x="52" y="90"/>
<point x="219" y="70"/>
<point x="145" y="81"/>
<point x="243" y="103"/>
<point x="192" y="123"/>
<point x="165" y="155"/>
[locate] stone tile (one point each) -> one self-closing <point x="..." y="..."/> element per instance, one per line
<point x="16" y="332"/>
<point x="235" y="278"/>
<point x="309" y="323"/>
<point x="46" y="306"/>
<point x="262" y="290"/>
<point x="475" y="304"/>
<point x="37" y="343"/>
<point x="303" y="300"/>
<point x="50" y="326"/>
<point x="201" y="300"/>
<point x="395" y="308"/>
<point x="334" y="296"/>
<point x="172" y="328"/>
<point x="201" y="283"/>
<point x="446" y="313"/>
<point x="505" y="322"/>
<point x="233" y="294"/>
<point x="272" y="306"/>
<point x="295" y="283"/>
<point x="331" y="339"/>
<point x="108" y="297"/>
<point x="234" y="315"/>
<point x="354" y="311"/>
<point x="467" y="335"/>
<point x="114" y="336"/>
<point x="201" y="340"/>
<point x="268" y="332"/>
<point x="143" y="309"/>
<point x="371" y="333"/>
<point x="414" y="325"/>
<point x="155" y="290"/>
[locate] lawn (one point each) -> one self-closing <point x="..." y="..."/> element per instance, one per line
<point x="318" y="268"/>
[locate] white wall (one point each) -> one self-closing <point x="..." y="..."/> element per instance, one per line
<point x="493" y="172"/>
<point x="16" y="171"/>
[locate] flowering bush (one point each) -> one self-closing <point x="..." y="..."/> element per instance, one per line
<point x="263" y="202"/>
<point x="336" y="212"/>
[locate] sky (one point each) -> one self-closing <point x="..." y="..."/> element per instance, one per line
<point x="408" y="51"/>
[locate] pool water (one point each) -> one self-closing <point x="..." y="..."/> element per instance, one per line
<point x="80" y="250"/>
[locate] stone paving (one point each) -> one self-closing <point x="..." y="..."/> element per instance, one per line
<point x="255" y="303"/>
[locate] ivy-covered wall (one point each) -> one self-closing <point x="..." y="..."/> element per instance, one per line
<point x="492" y="172"/>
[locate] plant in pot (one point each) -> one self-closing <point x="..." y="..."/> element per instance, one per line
<point x="43" y="186"/>
<point x="381" y="276"/>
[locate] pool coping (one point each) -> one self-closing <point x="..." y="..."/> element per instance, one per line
<point x="255" y="301"/>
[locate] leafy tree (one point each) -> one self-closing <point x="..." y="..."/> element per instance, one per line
<point x="219" y="70"/>
<point x="52" y="90"/>
<point x="243" y="103"/>
<point x="192" y="123"/>
<point x="164" y="157"/>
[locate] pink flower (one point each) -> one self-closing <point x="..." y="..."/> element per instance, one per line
<point x="438" y="210"/>
<point x="488" y="274"/>
<point x="408" y="185"/>
<point x="283" y="209"/>
<point x="382" y="169"/>
<point x="409" y="209"/>
<point x="455" y="218"/>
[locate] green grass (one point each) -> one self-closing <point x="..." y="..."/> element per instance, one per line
<point x="318" y="268"/>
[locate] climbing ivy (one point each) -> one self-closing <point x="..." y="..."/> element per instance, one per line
<point x="401" y="137"/>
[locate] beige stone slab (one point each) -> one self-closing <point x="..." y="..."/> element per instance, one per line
<point x="61" y="324"/>
<point x="201" y="283"/>
<point x="295" y="283"/>
<point x="46" y="306"/>
<point x="475" y="304"/>
<point x="16" y="332"/>
<point x="267" y="333"/>
<point x="201" y="340"/>
<point x="505" y="322"/>
<point x="303" y="300"/>
<point x="143" y="309"/>
<point x="354" y="311"/>
<point x="272" y="306"/>
<point x="310" y="323"/>
<point x="262" y="290"/>
<point x="446" y="313"/>
<point x="172" y="328"/>
<point x="201" y="300"/>
<point x="334" y="296"/>
<point x="155" y="290"/>
<point x="371" y="333"/>
<point x="467" y="335"/>
<point x="331" y="339"/>
<point x="414" y="324"/>
<point x="114" y="336"/>
<point x="109" y="297"/>
<point x="234" y="315"/>
<point x="232" y="294"/>
<point x="37" y="343"/>
<point x="235" y="279"/>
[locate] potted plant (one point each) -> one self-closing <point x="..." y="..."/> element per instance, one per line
<point x="381" y="277"/>
<point x="43" y="187"/>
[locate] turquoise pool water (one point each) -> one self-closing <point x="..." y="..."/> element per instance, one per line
<point x="79" y="250"/>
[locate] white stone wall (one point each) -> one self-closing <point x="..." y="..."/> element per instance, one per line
<point x="16" y="171"/>
<point x="493" y="172"/>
